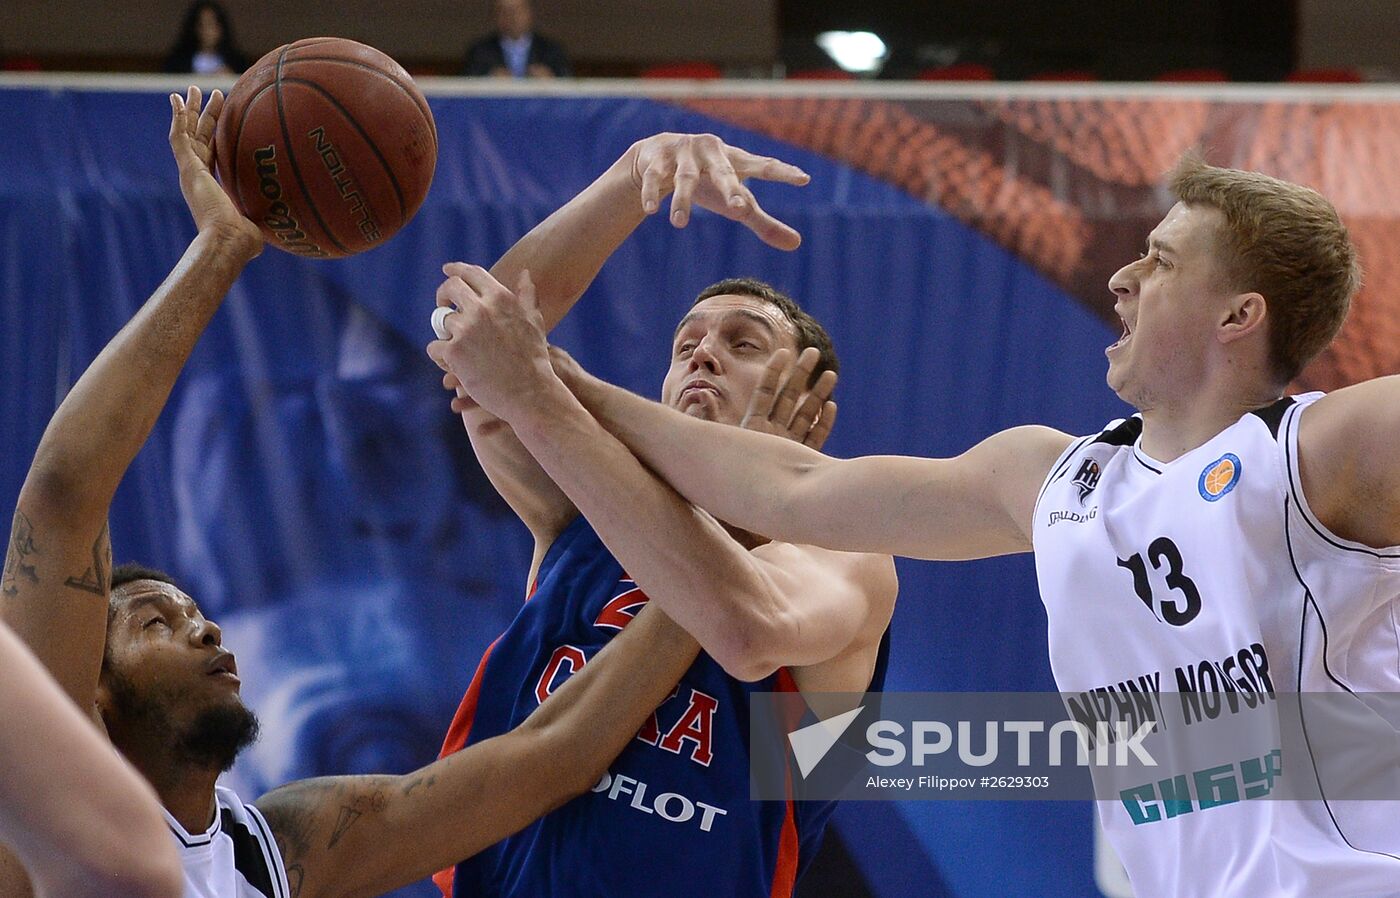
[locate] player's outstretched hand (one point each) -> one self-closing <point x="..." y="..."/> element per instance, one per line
<point x="784" y="404"/>
<point x="702" y="170"/>
<point x="494" y="349"/>
<point x="192" y="142"/>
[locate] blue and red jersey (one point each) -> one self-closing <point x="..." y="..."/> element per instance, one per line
<point x="672" y="815"/>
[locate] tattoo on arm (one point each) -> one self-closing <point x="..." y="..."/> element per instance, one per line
<point x="300" y="816"/>
<point x="296" y="878"/>
<point x="425" y="780"/>
<point x="98" y="578"/>
<point x="21" y="548"/>
<point x="291" y="820"/>
<point x="348" y="816"/>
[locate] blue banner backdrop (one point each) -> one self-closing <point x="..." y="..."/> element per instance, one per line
<point x="310" y="488"/>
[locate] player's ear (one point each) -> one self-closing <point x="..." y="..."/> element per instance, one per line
<point x="1245" y="314"/>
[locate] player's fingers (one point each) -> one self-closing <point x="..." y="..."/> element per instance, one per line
<point x="766" y="168"/>
<point x="194" y="98"/>
<point x="452" y="270"/>
<point x="803" y="417"/>
<point x="457" y="323"/>
<point x="656" y="182"/>
<point x="723" y="177"/>
<point x="481" y="282"/>
<point x="454" y="293"/>
<point x="784" y="401"/>
<point x="825" y="385"/>
<point x="443" y="297"/>
<point x="816" y="437"/>
<point x="775" y="233"/>
<point x="177" y="110"/>
<point x="687" y="176"/>
<point x="793" y="386"/>
<point x="455" y="269"/>
<point x="204" y="128"/>
<point x="437" y="351"/>
<point x="473" y="276"/>
<point x="807" y="363"/>
<point x="558" y="357"/>
<point x="766" y="393"/>
<point x="809" y="406"/>
<point x="740" y="203"/>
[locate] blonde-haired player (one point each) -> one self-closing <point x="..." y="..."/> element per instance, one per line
<point x="1224" y="529"/>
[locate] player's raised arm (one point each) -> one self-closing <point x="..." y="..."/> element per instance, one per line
<point x="1346" y="450"/>
<point x="565" y="252"/>
<point x="974" y="506"/>
<point x="82" y="822"/>
<point x="59" y="559"/>
<point x="364" y="835"/>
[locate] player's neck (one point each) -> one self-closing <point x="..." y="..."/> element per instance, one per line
<point x="1171" y="430"/>
<point x="190" y="799"/>
<point x="185" y="790"/>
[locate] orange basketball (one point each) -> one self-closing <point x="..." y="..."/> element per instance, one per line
<point x="328" y="145"/>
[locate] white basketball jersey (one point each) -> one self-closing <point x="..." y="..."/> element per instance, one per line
<point x="1210" y="574"/>
<point x="236" y="858"/>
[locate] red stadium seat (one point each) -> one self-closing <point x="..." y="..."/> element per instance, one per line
<point x="1326" y="76"/>
<point x="958" y="71"/>
<point x="694" y="69"/>
<point x="1193" y="75"/>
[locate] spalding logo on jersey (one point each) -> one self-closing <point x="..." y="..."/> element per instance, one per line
<point x="1087" y="478"/>
<point x="1220" y="476"/>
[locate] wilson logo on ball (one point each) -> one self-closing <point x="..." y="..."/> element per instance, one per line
<point x="279" y="218"/>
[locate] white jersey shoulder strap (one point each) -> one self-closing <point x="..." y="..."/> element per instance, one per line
<point x="255" y="851"/>
<point x="237" y="857"/>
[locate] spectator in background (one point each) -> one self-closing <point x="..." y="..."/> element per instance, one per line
<point x="514" y="50"/>
<point x="205" y="45"/>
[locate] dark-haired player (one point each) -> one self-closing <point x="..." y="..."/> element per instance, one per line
<point x="136" y="652"/>
<point x="673" y="814"/>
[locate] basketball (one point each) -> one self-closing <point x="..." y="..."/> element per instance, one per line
<point x="328" y="145"/>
